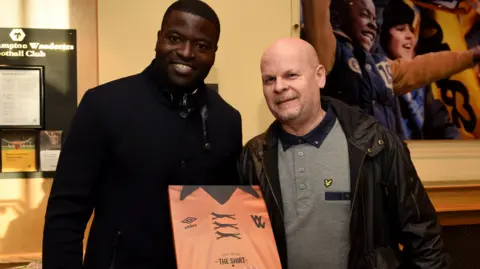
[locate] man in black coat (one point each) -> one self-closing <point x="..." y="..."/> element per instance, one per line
<point x="133" y="137"/>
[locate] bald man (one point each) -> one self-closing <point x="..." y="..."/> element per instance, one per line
<point x="341" y="189"/>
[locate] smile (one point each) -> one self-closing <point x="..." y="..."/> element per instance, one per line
<point x="182" y="69"/>
<point x="369" y="35"/>
<point x="407" y="46"/>
<point x="282" y="102"/>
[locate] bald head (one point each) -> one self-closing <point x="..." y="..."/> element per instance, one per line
<point x="291" y="47"/>
<point x="292" y="78"/>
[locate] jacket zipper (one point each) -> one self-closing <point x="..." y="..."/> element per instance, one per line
<point x="356" y="185"/>
<point x="112" y="262"/>
<point x="369" y="258"/>
<point x="271" y="189"/>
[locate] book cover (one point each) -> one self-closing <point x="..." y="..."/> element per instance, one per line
<point x="222" y="227"/>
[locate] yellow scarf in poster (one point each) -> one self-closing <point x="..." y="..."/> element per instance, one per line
<point x="461" y="93"/>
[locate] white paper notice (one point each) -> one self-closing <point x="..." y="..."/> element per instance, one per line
<point x="49" y="160"/>
<point x="50" y="147"/>
<point x="19" y="97"/>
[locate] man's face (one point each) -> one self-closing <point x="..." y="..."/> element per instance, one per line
<point x="185" y="49"/>
<point x="291" y="86"/>
<point x="361" y="24"/>
<point x="402" y="42"/>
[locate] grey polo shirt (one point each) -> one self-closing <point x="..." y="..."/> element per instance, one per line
<point x="315" y="181"/>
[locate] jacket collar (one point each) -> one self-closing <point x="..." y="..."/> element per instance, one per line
<point x="341" y="34"/>
<point x="176" y="98"/>
<point x="360" y="128"/>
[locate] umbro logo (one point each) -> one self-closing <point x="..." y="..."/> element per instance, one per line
<point x="190" y="222"/>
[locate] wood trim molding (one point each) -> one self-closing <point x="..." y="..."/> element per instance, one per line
<point x="450" y="172"/>
<point x="459" y="218"/>
<point x="296" y="9"/>
<point x="83" y="18"/>
<point x="456" y="203"/>
<point x="446" y="161"/>
<point x="20" y="258"/>
<point x="455" y="197"/>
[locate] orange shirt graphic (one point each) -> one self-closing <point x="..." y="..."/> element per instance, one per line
<point x="218" y="227"/>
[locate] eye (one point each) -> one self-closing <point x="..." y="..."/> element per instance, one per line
<point x="269" y="80"/>
<point x="173" y="39"/>
<point x="292" y="75"/>
<point x="202" y="46"/>
<point x="400" y="28"/>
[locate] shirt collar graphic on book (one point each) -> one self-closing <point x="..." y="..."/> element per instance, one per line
<point x="221" y="194"/>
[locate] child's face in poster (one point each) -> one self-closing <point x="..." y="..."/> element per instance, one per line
<point x="361" y="24"/>
<point x="402" y="42"/>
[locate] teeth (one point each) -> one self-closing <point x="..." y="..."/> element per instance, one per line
<point x="369" y="35"/>
<point x="183" y="67"/>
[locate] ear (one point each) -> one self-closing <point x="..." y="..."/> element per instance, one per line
<point x="159" y="36"/>
<point x="320" y="76"/>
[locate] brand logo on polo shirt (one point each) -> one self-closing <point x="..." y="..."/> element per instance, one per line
<point x="328" y="182"/>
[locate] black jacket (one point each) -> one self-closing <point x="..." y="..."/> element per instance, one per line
<point x="368" y="85"/>
<point x="127" y="143"/>
<point x="389" y="204"/>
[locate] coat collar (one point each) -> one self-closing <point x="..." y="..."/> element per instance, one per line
<point x="176" y="98"/>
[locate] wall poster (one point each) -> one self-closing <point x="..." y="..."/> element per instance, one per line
<point x="407" y="29"/>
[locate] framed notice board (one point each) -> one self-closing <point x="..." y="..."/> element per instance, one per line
<point x="22" y="102"/>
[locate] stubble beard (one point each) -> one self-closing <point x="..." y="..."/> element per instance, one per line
<point x="288" y="116"/>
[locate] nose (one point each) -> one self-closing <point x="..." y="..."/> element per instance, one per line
<point x="186" y="51"/>
<point x="372" y="24"/>
<point x="280" y="85"/>
<point x="409" y="35"/>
